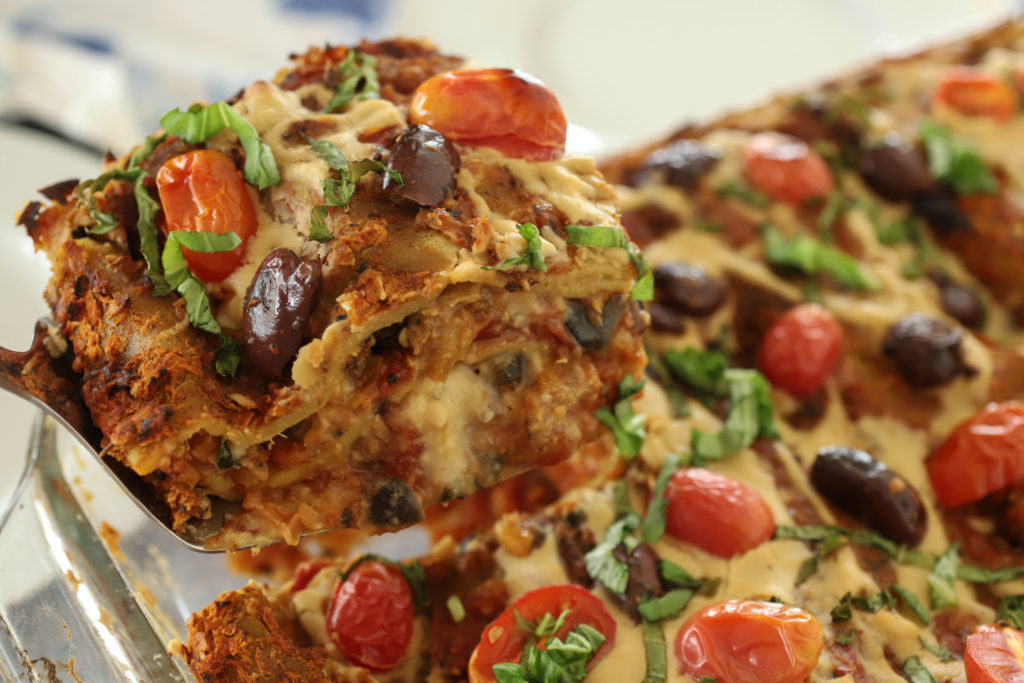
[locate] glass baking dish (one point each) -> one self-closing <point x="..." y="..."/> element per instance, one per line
<point x="90" y="588"/>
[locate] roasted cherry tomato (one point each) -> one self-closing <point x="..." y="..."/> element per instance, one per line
<point x="202" y="191"/>
<point x="503" y="640"/>
<point x="750" y="642"/>
<point x="508" y="110"/>
<point x="370" y="615"/>
<point x="983" y="455"/>
<point x="717" y="514"/>
<point x="801" y="349"/>
<point x="305" y="572"/>
<point x="977" y="93"/>
<point x="786" y="169"/>
<point x="995" y="655"/>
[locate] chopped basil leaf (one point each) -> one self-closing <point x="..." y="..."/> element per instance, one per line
<point x="811" y="256"/>
<point x="604" y="236"/>
<point x="336" y="159"/>
<point x="456" y="609"/>
<point x="601" y="563"/>
<point x="745" y="194"/>
<point x="627" y="426"/>
<point x="548" y="624"/>
<point x="980" y="575"/>
<point x="417" y="579"/>
<point x="703" y="371"/>
<point x="874" y="602"/>
<point x="357" y="75"/>
<point x="829" y="545"/>
<point x="941" y="653"/>
<point x="846" y="636"/>
<point x="620" y="496"/>
<point x="318" y="224"/>
<point x="819" y="532"/>
<point x="654" y="524"/>
<point x="941" y="590"/>
<point x="339" y="191"/>
<point x="913" y="602"/>
<point x="1011" y="610"/>
<point x="916" y="671"/>
<point x="709" y="226"/>
<point x="559" y="661"/>
<point x="673" y="574"/>
<point x="843" y="610"/>
<point x="533" y="256"/>
<point x="199" y="123"/>
<point x="667" y="606"/>
<point x="655" y="651"/>
<point x="707" y="679"/>
<point x="894" y="232"/>
<point x="145" y="150"/>
<point x="197" y="303"/>
<point x="955" y="161"/>
<point x="751" y="414"/>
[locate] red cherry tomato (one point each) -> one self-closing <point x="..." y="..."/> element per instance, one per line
<point x="508" y="110"/>
<point x="982" y="455"/>
<point x="717" y="514"/>
<point x="750" y="642"/>
<point x="995" y="655"/>
<point x="305" y="572"/>
<point x="202" y="191"/>
<point x="503" y="640"/>
<point x="801" y="349"/>
<point x="786" y="169"/>
<point x="977" y="93"/>
<point x="370" y="615"/>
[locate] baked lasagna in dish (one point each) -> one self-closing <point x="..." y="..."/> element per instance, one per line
<point x="831" y="434"/>
<point x="368" y="285"/>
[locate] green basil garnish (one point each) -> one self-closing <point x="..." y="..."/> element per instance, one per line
<point x="357" y="75"/>
<point x="607" y="237"/>
<point x="533" y="256"/>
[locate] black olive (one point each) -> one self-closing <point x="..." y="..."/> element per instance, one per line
<point x="644" y="580"/>
<point x="665" y="318"/>
<point x="512" y="372"/>
<point x="896" y="169"/>
<point x="277" y="307"/>
<point x="926" y="351"/>
<point x="940" y="210"/>
<point x="427" y="161"/>
<point x="960" y="302"/>
<point x="683" y="163"/>
<point x="395" y="505"/>
<point x="575" y="540"/>
<point x="594" y="334"/>
<point x="865" y="488"/>
<point x="687" y="289"/>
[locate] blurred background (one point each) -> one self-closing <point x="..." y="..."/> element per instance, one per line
<point x="78" y="77"/>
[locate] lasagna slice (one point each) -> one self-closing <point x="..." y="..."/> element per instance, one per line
<point x="367" y="285"/>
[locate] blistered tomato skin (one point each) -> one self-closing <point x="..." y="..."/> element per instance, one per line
<point x="974" y="92"/>
<point x="786" y="169"/>
<point x="203" y="191"/>
<point x="305" y="572"/>
<point x="982" y="455"/>
<point x="744" y="641"/>
<point x="370" y="616"/>
<point x="717" y="514"/>
<point x="507" y="110"/>
<point x="801" y="349"/>
<point x="503" y="640"/>
<point x="995" y="655"/>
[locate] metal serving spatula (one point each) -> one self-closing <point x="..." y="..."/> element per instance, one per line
<point x="46" y="380"/>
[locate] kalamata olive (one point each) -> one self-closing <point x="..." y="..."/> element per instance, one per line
<point x="591" y="332"/>
<point x="575" y="540"/>
<point x="896" y="170"/>
<point x="940" y="210"/>
<point x="277" y="307"/>
<point x="865" y="488"/>
<point x="427" y="161"/>
<point x="644" y="580"/>
<point x="395" y="505"/>
<point x="926" y="351"/>
<point x="683" y="162"/>
<point x="960" y="302"/>
<point x="665" y="318"/>
<point x="687" y="289"/>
